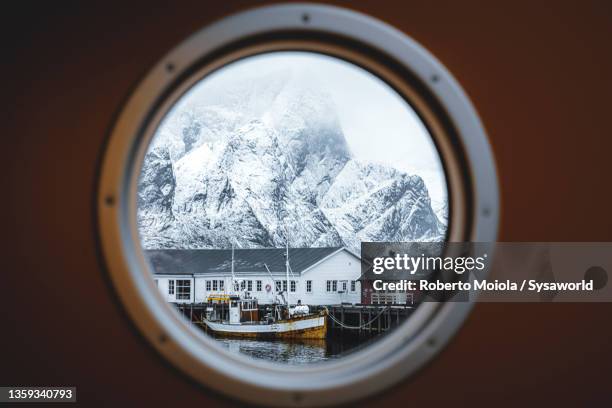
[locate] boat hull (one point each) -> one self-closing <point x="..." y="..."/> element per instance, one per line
<point x="306" y="327"/>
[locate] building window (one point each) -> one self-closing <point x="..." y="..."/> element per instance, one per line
<point x="343" y="285"/>
<point x="308" y="286"/>
<point x="183" y="289"/>
<point x="208" y="286"/>
<point x="243" y="285"/>
<point x="353" y="286"/>
<point x="250" y="286"/>
<point x="293" y="286"/>
<point x="277" y="285"/>
<point x="157" y="283"/>
<point x="284" y="286"/>
<point x="332" y="286"/>
<point x="259" y="286"/>
<point x="171" y="287"/>
<point x="221" y="285"/>
<point x="215" y="287"/>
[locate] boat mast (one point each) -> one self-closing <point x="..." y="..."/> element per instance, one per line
<point x="233" y="276"/>
<point x="287" y="268"/>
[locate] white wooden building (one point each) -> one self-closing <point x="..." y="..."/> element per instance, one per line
<point x="318" y="276"/>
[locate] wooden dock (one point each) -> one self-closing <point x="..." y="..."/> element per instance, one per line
<point x="359" y="318"/>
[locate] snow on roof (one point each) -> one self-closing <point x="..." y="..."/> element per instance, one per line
<point x="211" y="261"/>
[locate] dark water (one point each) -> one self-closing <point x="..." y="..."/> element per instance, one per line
<point x="298" y="351"/>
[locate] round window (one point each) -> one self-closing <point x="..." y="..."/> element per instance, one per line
<point x="243" y="178"/>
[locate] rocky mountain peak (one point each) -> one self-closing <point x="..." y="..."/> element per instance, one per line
<point x="269" y="166"/>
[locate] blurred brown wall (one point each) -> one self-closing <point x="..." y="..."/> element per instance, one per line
<point x="540" y="74"/>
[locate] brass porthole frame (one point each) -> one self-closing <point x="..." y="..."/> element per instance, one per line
<point x="408" y="68"/>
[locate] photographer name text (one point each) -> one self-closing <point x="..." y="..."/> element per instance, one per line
<point x="531" y="285"/>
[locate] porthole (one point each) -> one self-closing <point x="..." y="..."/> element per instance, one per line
<point x="245" y="170"/>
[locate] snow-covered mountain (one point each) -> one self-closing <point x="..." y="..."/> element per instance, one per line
<point x="256" y="164"/>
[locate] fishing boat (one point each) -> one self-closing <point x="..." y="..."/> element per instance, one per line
<point x="238" y="315"/>
<point x="283" y="323"/>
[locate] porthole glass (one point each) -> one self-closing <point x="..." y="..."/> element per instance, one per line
<point x="258" y="188"/>
<point x="242" y="176"/>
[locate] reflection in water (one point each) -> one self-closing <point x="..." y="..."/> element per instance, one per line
<point x="279" y="351"/>
<point x="295" y="351"/>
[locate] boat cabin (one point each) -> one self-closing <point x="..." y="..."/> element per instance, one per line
<point x="243" y="310"/>
<point x="232" y="308"/>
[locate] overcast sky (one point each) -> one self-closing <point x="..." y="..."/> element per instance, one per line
<point x="377" y="123"/>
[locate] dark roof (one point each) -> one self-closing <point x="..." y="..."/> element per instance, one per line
<point x="200" y="261"/>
